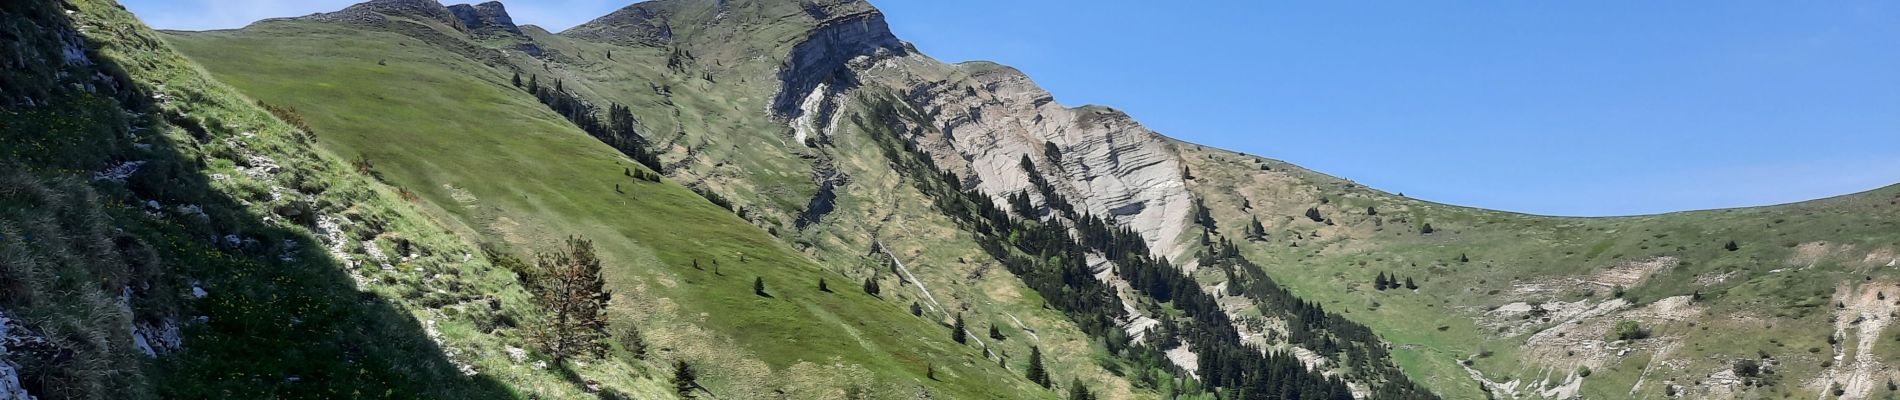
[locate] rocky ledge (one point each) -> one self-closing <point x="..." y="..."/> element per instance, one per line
<point x="486" y="18"/>
<point x="985" y="118"/>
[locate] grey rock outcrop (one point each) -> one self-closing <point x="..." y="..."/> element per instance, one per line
<point x="845" y="30"/>
<point x="983" y="118"/>
<point x="645" y="24"/>
<point x="488" y="18"/>
<point x="990" y="116"/>
<point x="826" y="35"/>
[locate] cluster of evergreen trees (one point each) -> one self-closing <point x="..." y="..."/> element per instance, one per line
<point x="642" y="175"/>
<point x="1309" y="325"/>
<point x="1224" y="361"/>
<point x="1383" y="283"/>
<point x="1050" y="196"/>
<point x="1255" y="231"/>
<point x="616" y="130"/>
<point x="715" y="198"/>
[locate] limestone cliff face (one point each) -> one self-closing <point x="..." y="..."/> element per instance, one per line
<point x="983" y="118"/>
<point x="1111" y="165"/>
<point x="990" y="116"/>
<point x="845" y="30"/>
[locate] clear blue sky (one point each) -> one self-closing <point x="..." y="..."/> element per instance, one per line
<point x="1591" y="108"/>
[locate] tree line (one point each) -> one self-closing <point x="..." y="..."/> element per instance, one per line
<point x="617" y="130"/>
<point x="1309" y="325"/>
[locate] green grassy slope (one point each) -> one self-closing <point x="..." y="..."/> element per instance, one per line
<point x="487" y="156"/>
<point x="712" y="134"/>
<point x="261" y="250"/>
<point x="1774" y="294"/>
<point x="718" y="136"/>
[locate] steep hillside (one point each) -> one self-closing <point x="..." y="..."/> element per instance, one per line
<point x="451" y="127"/>
<point x="802" y="141"/>
<point x="164" y="237"/>
<point x="846" y="48"/>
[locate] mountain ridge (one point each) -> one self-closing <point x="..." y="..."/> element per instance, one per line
<point x="492" y="13"/>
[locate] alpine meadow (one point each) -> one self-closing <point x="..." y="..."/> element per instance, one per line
<point x="779" y="199"/>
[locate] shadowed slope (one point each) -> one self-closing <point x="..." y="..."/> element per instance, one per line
<point x="158" y="235"/>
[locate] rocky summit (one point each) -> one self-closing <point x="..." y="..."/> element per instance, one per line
<point x="487" y="18"/>
<point x="752" y="199"/>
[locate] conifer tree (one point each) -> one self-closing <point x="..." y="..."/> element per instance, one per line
<point x="822" y="287"/>
<point x="1036" y="373"/>
<point x="633" y="342"/>
<point x="1079" y="392"/>
<point x="684" y="379"/>
<point x="1409" y="284"/>
<point x="1233" y="285"/>
<point x="994" y="333"/>
<point x="1380" y="282"/>
<point x="916" y="309"/>
<point x="758" y="286"/>
<point x="517" y="79"/>
<point x="1203" y="216"/>
<point x="569" y="284"/>
<point x="957" y="331"/>
<point x="870" y="286"/>
<point x="1255" y="231"/>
